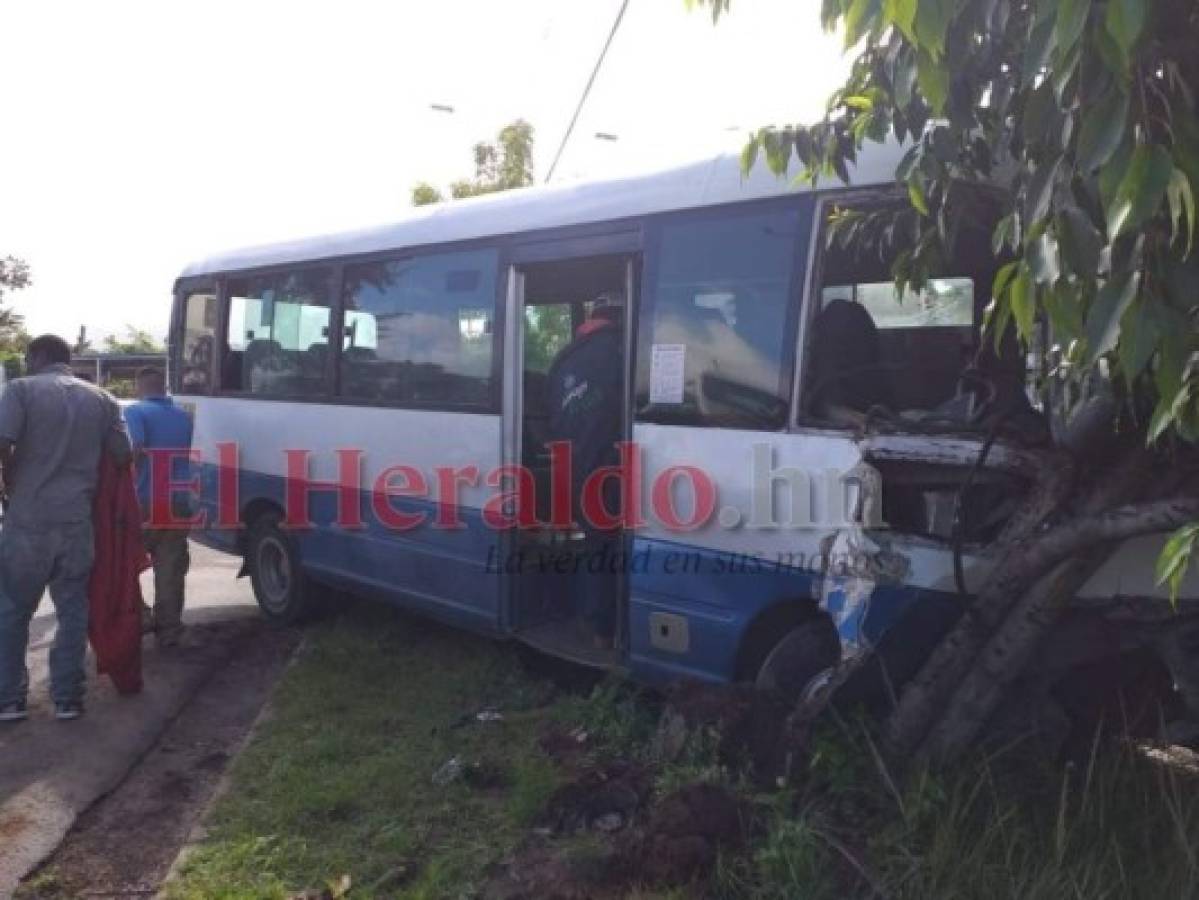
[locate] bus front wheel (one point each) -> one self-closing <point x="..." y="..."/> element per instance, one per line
<point x="283" y="592"/>
<point x="800" y="659"/>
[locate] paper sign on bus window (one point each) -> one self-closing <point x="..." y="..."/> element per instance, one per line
<point x="666" y="373"/>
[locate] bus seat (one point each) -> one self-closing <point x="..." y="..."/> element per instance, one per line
<point x="846" y="360"/>
<point x="261" y="361"/>
<point x="361" y="375"/>
<point x="313" y="363"/>
<point x="231" y="370"/>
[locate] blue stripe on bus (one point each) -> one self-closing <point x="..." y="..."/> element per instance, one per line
<point x="721" y="594"/>
<point x="446" y="575"/>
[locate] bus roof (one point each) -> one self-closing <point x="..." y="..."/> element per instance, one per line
<point x="709" y="182"/>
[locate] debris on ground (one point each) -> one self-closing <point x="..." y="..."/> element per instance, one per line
<point x="482" y="775"/>
<point x="484" y="716"/>
<point x="448" y="772"/>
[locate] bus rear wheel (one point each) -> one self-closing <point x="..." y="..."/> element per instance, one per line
<point x="284" y="593"/>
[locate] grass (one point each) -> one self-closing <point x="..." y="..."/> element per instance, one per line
<point x="339" y="781"/>
<point x="1123" y="825"/>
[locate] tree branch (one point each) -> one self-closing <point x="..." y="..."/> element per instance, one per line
<point x="1115" y="525"/>
<point x="1016" y="569"/>
<point x="1074" y="551"/>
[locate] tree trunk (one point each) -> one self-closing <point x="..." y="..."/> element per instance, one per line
<point x="925" y="696"/>
<point x="1007" y="653"/>
<point x="1029" y="555"/>
<point x="1083" y="545"/>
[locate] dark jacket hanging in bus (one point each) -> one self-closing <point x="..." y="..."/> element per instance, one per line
<point x="584" y="386"/>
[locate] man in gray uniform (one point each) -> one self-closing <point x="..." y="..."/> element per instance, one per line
<point x="53" y="428"/>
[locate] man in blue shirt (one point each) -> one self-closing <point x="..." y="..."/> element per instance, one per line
<point x="157" y="425"/>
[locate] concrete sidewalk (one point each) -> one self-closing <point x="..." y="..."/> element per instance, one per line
<point x="50" y="772"/>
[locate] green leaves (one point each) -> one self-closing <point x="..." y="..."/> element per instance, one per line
<point x="1175" y="558"/>
<point x="749" y="155"/>
<point x="777" y="145"/>
<point x="916" y="196"/>
<point x="1071" y="19"/>
<point x="859" y="19"/>
<point x="1041" y="255"/>
<point x="1023" y="302"/>
<point x="1003" y="278"/>
<point x="902" y="13"/>
<point x="1102" y="131"/>
<point x="1079" y="119"/>
<point x="1036" y="52"/>
<point x="1139" y="334"/>
<point x="1141" y="190"/>
<point x="1064" y="305"/>
<point x="1079" y="240"/>
<point x="933" y="80"/>
<point x="1182" y="208"/>
<point x="1040" y="191"/>
<point x="1014" y="295"/>
<point x="1124" y="21"/>
<point x="1103" y="319"/>
<point x="1174" y="387"/>
<point x="930" y="24"/>
<point x="1040" y="114"/>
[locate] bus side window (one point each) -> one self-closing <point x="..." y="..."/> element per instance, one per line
<point x="914" y="357"/>
<point x="419" y="330"/>
<point x="199" y="342"/>
<point x="277" y="343"/>
<point x="716" y="345"/>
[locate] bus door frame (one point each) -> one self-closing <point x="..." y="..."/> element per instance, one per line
<point x="628" y="242"/>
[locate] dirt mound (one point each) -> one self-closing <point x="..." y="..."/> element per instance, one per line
<point x="748" y="725"/>
<point x="604" y="799"/>
<point x="686" y="832"/>
<point x="672" y="844"/>
<point x="544" y="872"/>
<point x="566" y="748"/>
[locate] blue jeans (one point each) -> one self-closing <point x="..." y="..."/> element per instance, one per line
<point x="33" y="559"/>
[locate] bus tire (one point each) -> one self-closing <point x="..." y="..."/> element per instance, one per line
<point x="805" y="652"/>
<point x="284" y="594"/>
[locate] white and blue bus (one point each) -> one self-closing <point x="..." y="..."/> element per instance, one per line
<point x="390" y="380"/>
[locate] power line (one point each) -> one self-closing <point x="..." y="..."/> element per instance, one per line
<point x="587" y="90"/>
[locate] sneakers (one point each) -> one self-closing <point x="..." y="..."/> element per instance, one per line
<point x="17" y="711"/>
<point x="68" y="712"/>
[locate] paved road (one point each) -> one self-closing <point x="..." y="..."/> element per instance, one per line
<point x="50" y="772"/>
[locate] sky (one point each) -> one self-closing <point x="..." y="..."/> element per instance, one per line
<point x="138" y="135"/>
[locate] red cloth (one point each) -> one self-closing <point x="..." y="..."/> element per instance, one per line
<point x="114" y="595"/>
